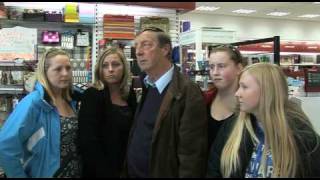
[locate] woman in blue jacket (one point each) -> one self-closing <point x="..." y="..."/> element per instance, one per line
<point x="38" y="138"/>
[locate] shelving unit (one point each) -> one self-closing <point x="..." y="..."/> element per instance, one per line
<point x="197" y="42"/>
<point x="80" y="57"/>
<point x="44" y="23"/>
<point x="11" y="89"/>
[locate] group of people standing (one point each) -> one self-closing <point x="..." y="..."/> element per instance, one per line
<point x="245" y="127"/>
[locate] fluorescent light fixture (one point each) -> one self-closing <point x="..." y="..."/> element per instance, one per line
<point x="278" y="13"/>
<point x="244" y="11"/>
<point x="207" y="8"/>
<point x="316" y="2"/>
<point x="309" y="15"/>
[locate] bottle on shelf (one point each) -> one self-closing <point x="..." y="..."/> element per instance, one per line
<point x="15" y="102"/>
<point x="4" y="78"/>
<point x="10" y="78"/>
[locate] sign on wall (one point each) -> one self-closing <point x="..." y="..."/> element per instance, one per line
<point x="18" y="42"/>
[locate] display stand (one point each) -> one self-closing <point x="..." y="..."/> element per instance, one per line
<point x="312" y="80"/>
<point x="276" y="46"/>
<point x="198" y="41"/>
<point x="195" y="48"/>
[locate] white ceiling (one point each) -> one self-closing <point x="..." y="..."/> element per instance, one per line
<point x="295" y="8"/>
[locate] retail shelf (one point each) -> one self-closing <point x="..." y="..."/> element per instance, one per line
<point x="11" y="89"/>
<point x="17" y="66"/>
<point x="19" y="22"/>
<point x="9" y="64"/>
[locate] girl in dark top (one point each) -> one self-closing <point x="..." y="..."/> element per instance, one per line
<point x="272" y="136"/>
<point x="105" y="116"/>
<point x="225" y="64"/>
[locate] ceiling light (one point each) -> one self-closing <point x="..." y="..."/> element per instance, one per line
<point x="207" y="8"/>
<point x="244" y="11"/>
<point x="278" y="14"/>
<point x="309" y="15"/>
<point x="316" y="2"/>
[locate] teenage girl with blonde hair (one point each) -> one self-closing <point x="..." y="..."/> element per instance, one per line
<point x="272" y="136"/>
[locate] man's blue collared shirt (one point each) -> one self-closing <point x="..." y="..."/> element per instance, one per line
<point x="162" y="82"/>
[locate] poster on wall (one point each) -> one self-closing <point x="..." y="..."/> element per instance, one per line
<point x="18" y="42"/>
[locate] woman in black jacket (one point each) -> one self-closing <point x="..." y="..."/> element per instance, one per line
<point x="105" y="117"/>
<point x="272" y="136"/>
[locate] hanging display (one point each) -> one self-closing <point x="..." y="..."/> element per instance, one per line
<point x="50" y="37"/>
<point x="82" y="39"/>
<point x="67" y="40"/>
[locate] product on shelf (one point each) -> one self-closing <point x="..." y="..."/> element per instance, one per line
<point x="53" y="16"/>
<point x="33" y="15"/>
<point x="118" y="27"/>
<point x="82" y="39"/>
<point x="3" y="11"/>
<point x="50" y="37"/>
<point x="155" y="21"/>
<point x="71" y="13"/>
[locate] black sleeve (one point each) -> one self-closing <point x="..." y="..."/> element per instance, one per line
<point x="315" y="162"/>
<point x="90" y="144"/>
<point x="216" y="149"/>
<point x="214" y="157"/>
<point x="132" y="99"/>
<point x="310" y="155"/>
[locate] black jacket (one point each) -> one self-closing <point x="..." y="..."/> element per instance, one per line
<point x="309" y="166"/>
<point x="97" y="147"/>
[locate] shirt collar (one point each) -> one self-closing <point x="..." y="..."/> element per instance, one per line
<point x="162" y="82"/>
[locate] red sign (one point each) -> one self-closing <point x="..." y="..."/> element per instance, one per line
<point x="284" y="47"/>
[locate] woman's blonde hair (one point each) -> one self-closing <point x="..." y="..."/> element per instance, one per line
<point x="41" y="74"/>
<point x="99" y="82"/>
<point x="279" y="118"/>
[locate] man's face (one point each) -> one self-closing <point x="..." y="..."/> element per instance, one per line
<point x="148" y="51"/>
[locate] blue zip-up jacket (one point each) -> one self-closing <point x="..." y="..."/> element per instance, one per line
<point x="30" y="138"/>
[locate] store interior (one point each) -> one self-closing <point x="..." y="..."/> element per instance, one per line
<point x="27" y="29"/>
